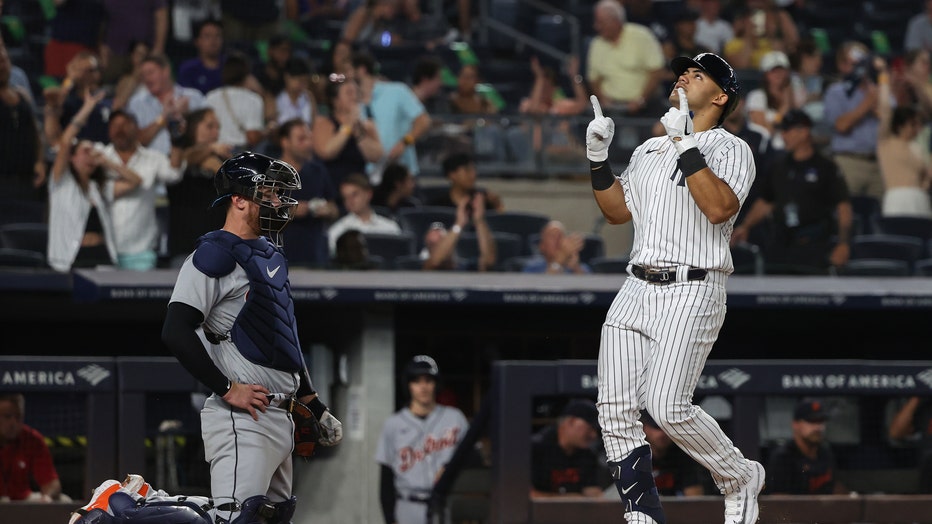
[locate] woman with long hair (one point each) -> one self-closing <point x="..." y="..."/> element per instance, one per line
<point x="906" y="174"/>
<point x="767" y="104"/>
<point x="346" y="140"/>
<point x="80" y="197"/>
<point x="199" y="147"/>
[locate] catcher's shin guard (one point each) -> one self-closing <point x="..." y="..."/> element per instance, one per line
<point x="284" y="511"/>
<point x="257" y="509"/>
<point x="634" y="479"/>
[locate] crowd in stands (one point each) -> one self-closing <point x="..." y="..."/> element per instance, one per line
<point x="111" y="140"/>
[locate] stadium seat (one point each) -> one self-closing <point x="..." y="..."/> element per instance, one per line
<point x="409" y="263"/>
<point x="416" y="220"/>
<point x="867" y="209"/>
<point x="875" y="268"/>
<point x="609" y="264"/>
<point x="917" y="227"/>
<point x="390" y="246"/>
<point x="522" y="223"/>
<point x="507" y="246"/>
<point x="747" y="259"/>
<point x="924" y="267"/>
<point x="889" y="247"/>
<point x="30" y="236"/>
<point x="10" y="258"/>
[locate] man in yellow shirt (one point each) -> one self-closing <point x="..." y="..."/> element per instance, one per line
<point x="625" y="61"/>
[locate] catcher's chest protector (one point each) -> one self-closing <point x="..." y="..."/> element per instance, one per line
<point x="265" y="331"/>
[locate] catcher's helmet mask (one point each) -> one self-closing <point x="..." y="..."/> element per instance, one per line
<point x="265" y="181"/>
<point x="718" y="70"/>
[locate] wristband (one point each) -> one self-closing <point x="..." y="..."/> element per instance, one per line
<point x="691" y="162"/>
<point x="317" y="407"/>
<point x="601" y="174"/>
<point x="408" y="139"/>
<point x="346" y="130"/>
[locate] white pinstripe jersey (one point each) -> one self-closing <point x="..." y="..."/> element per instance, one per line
<point x="669" y="228"/>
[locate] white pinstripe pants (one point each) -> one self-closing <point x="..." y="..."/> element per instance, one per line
<point x="655" y="342"/>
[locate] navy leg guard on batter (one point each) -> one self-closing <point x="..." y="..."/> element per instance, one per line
<point x="634" y="479"/>
<point x="284" y="511"/>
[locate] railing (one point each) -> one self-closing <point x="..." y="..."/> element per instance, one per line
<point x="488" y="23"/>
<point x="523" y="144"/>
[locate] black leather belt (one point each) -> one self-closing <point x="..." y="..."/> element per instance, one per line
<point x="423" y="499"/>
<point x="665" y="275"/>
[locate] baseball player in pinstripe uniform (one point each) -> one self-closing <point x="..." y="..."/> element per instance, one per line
<point x="416" y="444"/>
<point x="235" y="287"/>
<point x="682" y="191"/>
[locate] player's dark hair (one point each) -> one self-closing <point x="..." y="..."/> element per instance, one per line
<point x="191" y="120"/>
<point x="357" y="179"/>
<point x="902" y="116"/>
<point x="366" y="61"/>
<point x="205" y="23"/>
<point x="236" y="68"/>
<point x="284" y="130"/>
<point x="427" y="67"/>
<point x="455" y="161"/>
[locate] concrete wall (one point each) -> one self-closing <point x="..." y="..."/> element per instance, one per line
<point x="341" y="485"/>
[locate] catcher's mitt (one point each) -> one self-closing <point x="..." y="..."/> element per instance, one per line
<point x="313" y="424"/>
<point x="306" y="430"/>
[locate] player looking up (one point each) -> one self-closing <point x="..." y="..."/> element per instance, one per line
<point x="235" y="285"/>
<point x="682" y="192"/>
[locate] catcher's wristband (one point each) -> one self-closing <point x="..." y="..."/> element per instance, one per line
<point x="601" y="174"/>
<point x="317" y="407"/>
<point x="691" y="162"/>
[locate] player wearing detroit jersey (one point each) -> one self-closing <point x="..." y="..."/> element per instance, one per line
<point x="416" y="443"/>
<point x="235" y="286"/>
<point x="682" y="192"/>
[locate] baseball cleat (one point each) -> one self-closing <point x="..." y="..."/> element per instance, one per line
<point x="741" y="504"/>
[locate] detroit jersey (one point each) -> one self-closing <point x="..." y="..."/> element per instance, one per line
<point x="667" y="221"/>
<point x="417" y="448"/>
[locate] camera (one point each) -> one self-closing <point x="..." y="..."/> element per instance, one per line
<point x="863" y="70"/>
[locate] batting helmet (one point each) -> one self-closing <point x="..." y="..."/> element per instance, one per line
<point x="265" y="181"/>
<point x="421" y="365"/>
<point x="718" y="70"/>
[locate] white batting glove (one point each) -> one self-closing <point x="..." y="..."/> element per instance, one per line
<point x="679" y="125"/>
<point x="331" y="430"/>
<point x="599" y="133"/>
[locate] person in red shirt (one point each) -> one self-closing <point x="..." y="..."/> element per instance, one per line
<point x="25" y="460"/>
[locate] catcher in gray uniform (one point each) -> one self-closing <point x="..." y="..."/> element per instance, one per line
<point x="235" y="288"/>
<point x="416" y="443"/>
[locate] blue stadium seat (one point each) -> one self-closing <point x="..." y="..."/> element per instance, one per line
<point x="390" y="246"/>
<point x="522" y="223"/>
<point x="616" y="265"/>
<point x="864" y="267"/>
<point x="30" y="236"/>
<point x="889" y="247"/>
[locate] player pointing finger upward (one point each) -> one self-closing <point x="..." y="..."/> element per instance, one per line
<point x="682" y="192"/>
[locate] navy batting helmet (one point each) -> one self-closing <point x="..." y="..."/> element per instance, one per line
<point x="718" y="70"/>
<point x="421" y="365"/>
<point x="265" y="181"/>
